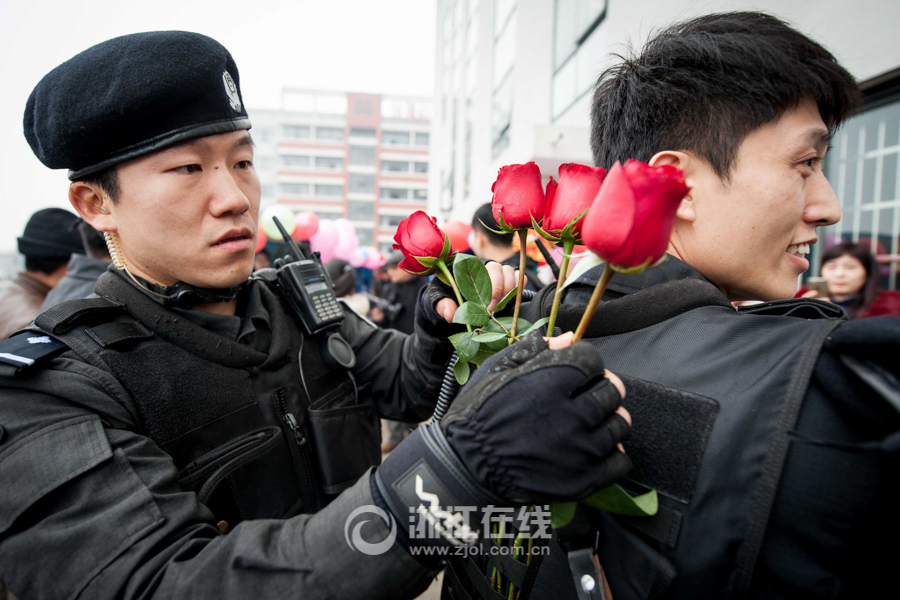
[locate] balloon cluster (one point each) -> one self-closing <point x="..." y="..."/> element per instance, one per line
<point x="330" y="238"/>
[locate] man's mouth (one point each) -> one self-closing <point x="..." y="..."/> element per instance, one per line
<point x="800" y="250"/>
<point x="234" y="238"/>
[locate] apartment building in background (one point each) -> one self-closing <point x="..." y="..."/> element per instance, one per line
<point x="364" y="157"/>
<point x="513" y="80"/>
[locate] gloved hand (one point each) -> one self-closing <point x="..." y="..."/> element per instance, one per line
<point x="532" y="425"/>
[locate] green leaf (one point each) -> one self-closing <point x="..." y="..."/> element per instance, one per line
<point x="461" y="372"/>
<point x="561" y="513"/>
<point x="535" y="325"/>
<point x="492" y="230"/>
<point x="440" y="275"/>
<point x="482" y="356"/>
<point x="472" y="314"/>
<point x="490" y="337"/>
<point x="494" y="326"/>
<point x="540" y="231"/>
<point x="472" y="278"/>
<point x="428" y="261"/>
<point x="465" y="344"/>
<point x="616" y="500"/>
<point x="505" y="300"/>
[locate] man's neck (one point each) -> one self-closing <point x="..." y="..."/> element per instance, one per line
<point x="227" y="309"/>
<point x="48" y="279"/>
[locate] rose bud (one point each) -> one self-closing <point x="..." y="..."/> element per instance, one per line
<point x="568" y="201"/>
<point x="422" y="243"/>
<point x="518" y="196"/>
<point x="631" y="219"/>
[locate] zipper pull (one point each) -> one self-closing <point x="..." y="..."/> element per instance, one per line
<point x="291" y="422"/>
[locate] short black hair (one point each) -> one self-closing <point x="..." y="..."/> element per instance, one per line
<point x="42" y="264"/>
<point x="703" y="85"/>
<point x="107" y="180"/>
<point x="484" y="216"/>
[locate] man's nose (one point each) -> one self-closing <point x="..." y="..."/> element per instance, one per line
<point x="227" y="197"/>
<point x="822" y="207"/>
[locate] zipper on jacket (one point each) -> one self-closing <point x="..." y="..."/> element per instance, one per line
<point x="301" y="452"/>
<point x="222" y="451"/>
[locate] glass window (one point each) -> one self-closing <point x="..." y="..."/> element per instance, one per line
<point x="420" y="167"/>
<point x="504" y="53"/>
<point x="578" y="43"/>
<point x="361" y="184"/>
<point x="500" y="116"/>
<point x="394" y="193"/>
<point x="365" y="235"/>
<point x="362" y="132"/>
<point x="362" y="155"/>
<point x="294" y="189"/>
<point x="360" y="211"/>
<point x="574" y="19"/>
<point x="264" y="162"/>
<point x="390" y="221"/>
<point x="420" y="194"/>
<point x="329" y="162"/>
<point x="395" y="138"/>
<point x="395" y="166"/>
<point x="421" y="139"/>
<point x="862" y="167"/>
<point x="330" y="133"/>
<point x="300" y="132"/>
<point x="329" y="190"/>
<point x="502" y="10"/>
<point x="262" y="135"/>
<point x="292" y="160"/>
<point x="267" y="190"/>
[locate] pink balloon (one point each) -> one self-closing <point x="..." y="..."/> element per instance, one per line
<point x="345" y="225"/>
<point x="458" y="232"/>
<point x="359" y="257"/>
<point x="325" y="239"/>
<point x="306" y="225"/>
<point x="376" y="260"/>
<point x="260" y="239"/>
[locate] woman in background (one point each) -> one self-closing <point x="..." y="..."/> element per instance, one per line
<point x="851" y="272"/>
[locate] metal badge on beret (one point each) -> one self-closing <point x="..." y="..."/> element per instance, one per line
<point x="131" y="96"/>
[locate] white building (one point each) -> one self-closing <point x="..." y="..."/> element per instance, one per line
<point x="364" y="157"/>
<point x="513" y="80"/>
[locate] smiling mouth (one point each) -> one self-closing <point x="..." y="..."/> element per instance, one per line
<point x="799" y="250"/>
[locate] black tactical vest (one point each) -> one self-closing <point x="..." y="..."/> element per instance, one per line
<point x="713" y="394"/>
<point x="255" y="435"/>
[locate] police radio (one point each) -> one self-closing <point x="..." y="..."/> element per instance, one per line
<point x="306" y="286"/>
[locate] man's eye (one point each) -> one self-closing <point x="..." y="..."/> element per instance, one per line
<point x="812" y="162"/>
<point x="188" y="169"/>
<point x="244" y="164"/>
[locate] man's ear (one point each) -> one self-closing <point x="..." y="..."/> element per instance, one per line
<point x="92" y="205"/>
<point x="683" y="161"/>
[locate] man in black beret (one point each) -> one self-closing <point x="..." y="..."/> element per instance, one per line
<point x="49" y="239"/>
<point x="192" y="433"/>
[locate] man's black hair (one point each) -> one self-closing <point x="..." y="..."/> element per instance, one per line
<point x="107" y="180"/>
<point x="94" y="242"/>
<point x="703" y="85"/>
<point x="42" y="264"/>
<point x="484" y="216"/>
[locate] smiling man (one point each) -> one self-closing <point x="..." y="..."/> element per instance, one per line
<point x="192" y="431"/>
<point x="770" y="433"/>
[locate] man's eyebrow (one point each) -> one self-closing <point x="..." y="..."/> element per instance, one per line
<point x="243" y="141"/>
<point x="819" y="138"/>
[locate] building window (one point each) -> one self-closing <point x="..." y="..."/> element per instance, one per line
<point x="362" y="132"/>
<point x="360" y="211"/>
<point x="289" y="160"/>
<point x="267" y="190"/>
<point x="262" y="135"/>
<point x="420" y="167"/>
<point x="504" y="57"/>
<point x="395" y="138"/>
<point x="390" y="221"/>
<point x="294" y="189"/>
<point x="394" y="193"/>
<point x="576" y="48"/>
<point x="361" y="184"/>
<point x="329" y="162"/>
<point x="863" y="167"/>
<point x="297" y="132"/>
<point x="395" y="166"/>
<point x="420" y="194"/>
<point x="422" y="139"/>
<point x="264" y="162"/>
<point x="365" y="235"/>
<point x="329" y="215"/>
<point x="329" y="191"/>
<point x="330" y="133"/>
<point x="362" y="155"/>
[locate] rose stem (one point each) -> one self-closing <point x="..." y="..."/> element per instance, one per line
<point x="595" y="300"/>
<point x="568" y="247"/>
<point x="523" y="240"/>
<point x="443" y="268"/>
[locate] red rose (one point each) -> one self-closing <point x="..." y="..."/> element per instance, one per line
<point x="631" y="219"/>
<point x="419" y="236"/>
<point x="518" y="196"/>
<point x="577" y="188"/>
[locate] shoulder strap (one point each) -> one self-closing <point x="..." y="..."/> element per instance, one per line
<point x="61" y="317"/>
<point x="26" y="349"/>
<point x="803" y="308"/>
<point x="776" y="455"/>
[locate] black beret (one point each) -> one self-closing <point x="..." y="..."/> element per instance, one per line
<point x="51" y="233"/>
<point x="130" y="96"/>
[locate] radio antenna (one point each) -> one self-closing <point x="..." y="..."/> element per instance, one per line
<point x="295" y="251"/>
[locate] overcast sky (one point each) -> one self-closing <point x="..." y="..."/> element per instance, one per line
<point x="383" y="46"/>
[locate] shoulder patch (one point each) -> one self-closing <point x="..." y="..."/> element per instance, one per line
<point x="25" y="349"/>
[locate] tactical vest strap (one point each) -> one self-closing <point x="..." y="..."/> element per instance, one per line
<point x="776" y="455"/>
<point x="63" y="316"/>
<point x="110" y="334"/>
<point x="26" y="349"/>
